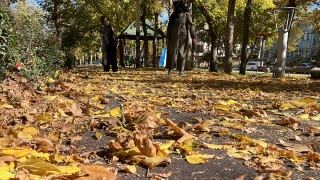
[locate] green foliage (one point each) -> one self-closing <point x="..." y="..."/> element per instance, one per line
<point x="5" y="27"/>
<point x="30" y="45"/>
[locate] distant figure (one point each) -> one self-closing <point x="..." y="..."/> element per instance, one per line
<point x="109" y="46"/>
<point x="179" y="27"/>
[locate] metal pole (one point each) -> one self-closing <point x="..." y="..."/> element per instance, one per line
<point x="137" y="34"/>
<point x="282" y="52"/>
<point x="260" y="47"/>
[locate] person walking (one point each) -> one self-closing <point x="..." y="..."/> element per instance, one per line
<point x="179" y="28"/>
<point x="109" y="45"/>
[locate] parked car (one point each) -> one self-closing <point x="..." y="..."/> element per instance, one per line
<point x="252" y="66"/>
<point x="305" y="66"/>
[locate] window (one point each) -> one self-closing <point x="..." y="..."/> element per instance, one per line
<point x="315" y="41"/>
<point x="199" y="49"/>
<point x="307" y="35"/>
<point x="289" y="54"/>
<point x="269" y="53"/>
<point x="303" y="53"/>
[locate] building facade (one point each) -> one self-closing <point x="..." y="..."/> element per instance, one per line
<point x="307" y="49"/>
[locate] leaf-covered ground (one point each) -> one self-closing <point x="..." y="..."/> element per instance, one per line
<point x="144" y="124"/>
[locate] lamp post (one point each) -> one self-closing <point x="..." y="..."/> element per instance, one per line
<point x="283" y="34"/>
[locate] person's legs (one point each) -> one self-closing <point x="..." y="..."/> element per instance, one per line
<point x="182" y="53"/>
<point x="171" y="58"/>
<point x="114" y="62"/>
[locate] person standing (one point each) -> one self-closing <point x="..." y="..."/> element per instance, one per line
<point x="109" y="45"/>
<point x="179" y="28"/>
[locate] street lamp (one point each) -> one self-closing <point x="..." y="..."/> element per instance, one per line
<point x="283" y="34"/>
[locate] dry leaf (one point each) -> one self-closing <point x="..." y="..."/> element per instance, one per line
<point x="96" y="172"/>
<point x="296" y="147"/>
<point x="145" y="144"/>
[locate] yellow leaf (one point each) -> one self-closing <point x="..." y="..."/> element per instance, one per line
<point x="315" y="118"/>
<point x="222" y="107"/>
<point x="216" y="146"/>
<point x="102" y="115"/>
<point x="240" y="154"/>
<point x="229" y="102"/>
<point x="304" y="116"/>
<point x="166" y="145"/>
<point x="57" y="158"/>
<point x="16" y="152"/>
<point x="50" y="98"/>
<point x="113" y="89"/>
<point x="129" y="152"/>
<point x="51" y="80"/>
<point x="45" y="156"/>
<point x="7" y="106"/>
<point x="6" y="172"/>
<point x="151" y="162"/>
<point x="98" y="135"/>
<point x="198" y="158"/>
<point x="95" y="98"/>
<point x="36" y="164"/>
<point x="302" y="103"/>
<point x="100" y="106"/>
<point x="130" y="169"/>
<point x="68" y="169"/>
<point x="43" y="118"/>
<point x="115" y="112"/>
<point x="56" y="74"/>
<point x="62" y="113"/>
<point x="29" y="132"/>
<point x="286" y="106"/>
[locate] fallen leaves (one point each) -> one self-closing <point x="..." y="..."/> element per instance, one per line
<point x="42" y="126"/>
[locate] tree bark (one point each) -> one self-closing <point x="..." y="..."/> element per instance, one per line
<point x="229" y="37"/>
<point x="56" y="17"/>
<point x="145" y="37"/>
<point x="213" y="39"/>
<point x="246" y="27"/>
<point x="155" y="63"/>
<point x="122" y="53"/>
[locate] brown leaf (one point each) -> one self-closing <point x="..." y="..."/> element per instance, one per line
<point x="75" y="109"/>
<point x="8" y="158"/>
<point x="75" y="139"/>
<point x="114" y="146"/>
<point x="113" y="122"/>
<point x="145" y="144"/>
<point x="104" y="100"/>
<point x="241" y="177"/>
<point x="96" y="172"/>
<point x="148" y="122"/>
<point x="86" y="108"/>
<point x="296" y="147"/>
<point x="43" y="146"/>
<point x="175" y="127"/>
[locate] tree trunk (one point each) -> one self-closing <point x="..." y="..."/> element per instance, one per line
<point x="155" y="63"/>
<point x="213" y="40"/>
<point x="145" y="37"/>
<point x="246" y="26"/>
<point x="189" y="59"/>
<point x="214" y="49"/>
<point x="229" y="37"/>
<point x="122" y="53"/>
<point x="56" y="16"/>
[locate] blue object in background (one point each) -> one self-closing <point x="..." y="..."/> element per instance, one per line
<point x="163" y="57"/>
